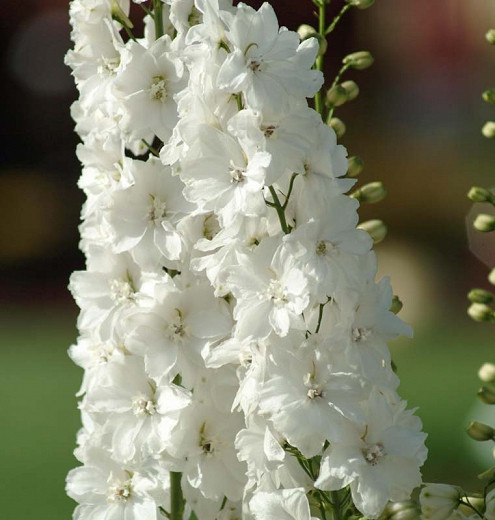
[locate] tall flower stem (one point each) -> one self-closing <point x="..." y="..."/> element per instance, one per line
<point x="158" y="15"/>
<point x="176" y="496"/>
<point x="319" y="60"/>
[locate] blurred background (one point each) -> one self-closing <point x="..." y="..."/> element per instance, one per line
<point x="417" y="126"/>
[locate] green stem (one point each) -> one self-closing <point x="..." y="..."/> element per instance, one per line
<point x="291" y="185"/>
<point x="338" y="77"/>
<point x="153" y="150"/>
<point x="320" y="316"/>
<point x="337" y="513"/>
<point x="336" y="20"/>
<point x="158" y="16"/>
<point x="176" y="497"/>
<point x="319" y="60"/>
<point x="280" y="210"/>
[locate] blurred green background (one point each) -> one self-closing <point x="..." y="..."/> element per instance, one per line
<point x="417" y="126"/>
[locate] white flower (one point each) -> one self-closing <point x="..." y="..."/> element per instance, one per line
<point x="220" y="177"/>
<point x="269" y="65"/>
<point x="306" y="384"/>
<point x="105" y="489"/>
<point x="287" y="137"/>
<point x="137" y="414"/>
<point x="439" y="501"/>
<point x="204" y="440"/>
<point x="284" y="504"/>
<point x="145" y="216"/>
<point x="379" y="461"/>
<point x="328" y="248"/>
<point x="180" y="326"/>
<point x="148" y="84"/>
<point x="268" y="284"/>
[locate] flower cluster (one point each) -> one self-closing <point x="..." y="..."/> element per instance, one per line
<point x="231" y="330"/>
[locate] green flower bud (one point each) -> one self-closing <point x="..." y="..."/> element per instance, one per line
<point x="361" y="4"/>
<point x="355" y="167"/>
<point x="480" y="296"/>
<point x="487" y="373"/>
<point x="406" y="510"/>
<point x="489" y="474"/>
<point x="376" y="229"/>
<point x="119" y="15"/>
<point x="306" y="31"/>
<point x="488" y="130"/>
<point x="338" y="126"/>
<point x="484" y="223"/>
<point x="359" y="60"/>
<point x="480" y="312"/>
<point x="490" y="36"/>
<point x="489" y="96"/>
<point x="323" y="44"/>
<point x="491" y="276"/>
<point x="337" y="96"/>
<point x="396" y="304"/>
<point x="477" y="194"/>
<point x="351" y="88"/>
<point x="486" y="395"/>
<point x="480" y="431"/>
<point x="370" y="193"/>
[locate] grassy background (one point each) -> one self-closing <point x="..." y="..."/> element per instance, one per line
<point x="40" y="418"/>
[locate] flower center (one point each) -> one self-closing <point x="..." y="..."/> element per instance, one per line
<point x="121" y="291"/>
<point x="177" y="330"/>
<point x="361" y="334"/>
<point x="276" y="293"/>
<point x="269" y="130"/>
<point x="321" y="248"/>
<point x="254" y="65"/>
<point x="236" y="175"/>
<point x="119" y="491"/>
<point x="373" y="453"/>
<point x="157" y="211"/>
<point x="142" y="406"/>
<point x="158" y="89"/>
<point x="108" y="66"/>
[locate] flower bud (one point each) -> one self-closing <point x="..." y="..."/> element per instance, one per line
<point x="480" y="431"/>
<point x="439" y="501"/>
<point x="338" y="126"/>
<point x="306" y="31"/>
<point x="477" y="194"/>
<point x="351" y="88"/>
<point x="359" y="60"/>
<point x="489" y="96"/>
<point x="361" y="4"/>
<point x="376" y="229"/>
<point x="337" y="96"/>
<point x="490" y="505"/>
<point x="480" y="296"/>
<point x="486" y="395"/>
<point x="480" y="312"/>
<point x="370" y="193"/>
<point x="490" y="36"/>
<point x="396" y="304"/>
<point x="355" y="167"/>
<point x="406" y="510"/>
<point x="491" y="276"/>
<point x="119" y="15"/>
<point x="484" y="222"/>
<point x="488" y="130"/>
<point x="487" y="373"/>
